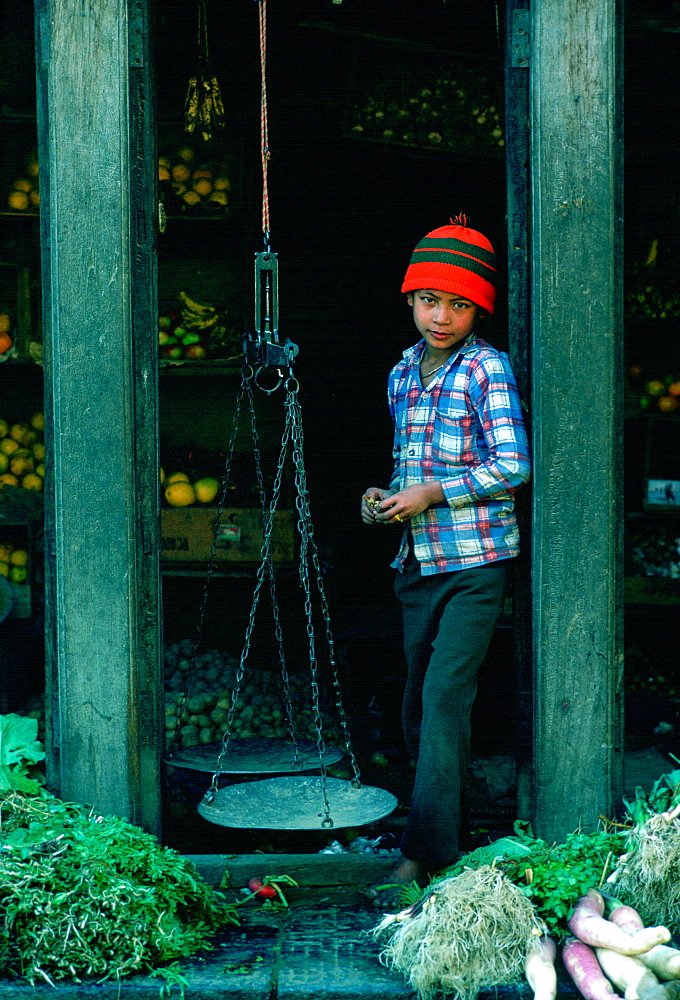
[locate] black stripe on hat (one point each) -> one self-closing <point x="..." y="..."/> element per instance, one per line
<point x="456" y="259"/>
<point x="458" y="246"/>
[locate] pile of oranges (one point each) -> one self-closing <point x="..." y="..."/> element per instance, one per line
<point x="22" y="453"/>
<point x="187" y="183"/>
<point x="25" y="193"/>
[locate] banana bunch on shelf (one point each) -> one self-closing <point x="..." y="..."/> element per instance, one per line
<point x="196" y="331"/>
<point x="196" y="315"/>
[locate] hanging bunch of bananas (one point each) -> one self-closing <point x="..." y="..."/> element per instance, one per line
<point x="203" y="107"/>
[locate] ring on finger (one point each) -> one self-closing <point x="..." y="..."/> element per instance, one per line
<point x="396" y="517"/>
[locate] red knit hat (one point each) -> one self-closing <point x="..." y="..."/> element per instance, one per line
<point x="455" y="259"/>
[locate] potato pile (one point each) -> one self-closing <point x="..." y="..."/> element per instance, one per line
<point x="260" y="709"/>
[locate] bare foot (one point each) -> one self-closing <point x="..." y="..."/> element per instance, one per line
<point x="386" y="895"/>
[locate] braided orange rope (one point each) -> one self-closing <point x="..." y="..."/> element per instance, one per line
<point x="264" y="127"/>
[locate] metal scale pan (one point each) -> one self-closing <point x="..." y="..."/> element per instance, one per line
<point x="296" y="803"/>
<point x="254" y="755"/>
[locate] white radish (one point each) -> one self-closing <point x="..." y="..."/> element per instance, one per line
<point x="539" y="969"/>
<point x="588" y="924"/>
<point x="629" y="974"/>
<point x="663" y="961"/>
<point x="582" y="965"/>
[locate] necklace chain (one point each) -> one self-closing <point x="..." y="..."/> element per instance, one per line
<point x="438" y="368"/>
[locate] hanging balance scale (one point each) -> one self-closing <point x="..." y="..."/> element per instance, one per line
<point x="301" y="795"/>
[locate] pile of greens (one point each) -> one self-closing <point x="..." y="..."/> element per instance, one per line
<point x="84" y="895"/>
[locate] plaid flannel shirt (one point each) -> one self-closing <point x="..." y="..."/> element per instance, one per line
<point x="466" y="431"/>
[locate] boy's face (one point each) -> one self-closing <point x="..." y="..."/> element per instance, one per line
<point x="442" y="318"/>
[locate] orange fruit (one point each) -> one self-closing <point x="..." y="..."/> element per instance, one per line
<point x="5" y="551"/>
<point x="20" y="464"/>
<point x="163" y="174"/>
<point x="17" y="431"/>
<point x="668" y="403"/>
<point x="7" y="479"/>
<point x="655" y="387"/>
<point x="202" y="187"/>
<point x="18" y="574"/>
<point x="4" y="462"/>
<point x="4" y="428"/>
<point x="222" y="184"/>
<point x="18" y="201"/>
<point x="38" y="451"/>
<point x="180" y="172"/>
<point x="32" y="481"/>
<point x="180" y="494"/>
<point x="4" y="568"/>
<point x="191" y="197"/>
<point x="674" y="388"/>
<point x="8" y="445"/>
<point x="206" y="489"/>
<point x="18" y="557"/>
<point x="34" y="198"/>
<point x="23" y="184"/>
<point x="38" y="421"/>
<point x="187" y="154"/>
<point x="32" y="165"/>
<point x="177" y="477"/>
<point x="219" y="197"/>
<point x="40" y="470"/>
<point x="5" y="343"/>
<point x="5" y="323"/>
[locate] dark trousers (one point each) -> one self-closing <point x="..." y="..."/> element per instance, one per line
<point x="448" y="620"/>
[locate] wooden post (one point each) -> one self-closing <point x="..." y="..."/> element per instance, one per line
<point x="576" y="180"/>
<point x="517" y="55"/>
<point x="97" y="180"/>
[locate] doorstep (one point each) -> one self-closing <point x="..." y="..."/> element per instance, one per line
<point x="319" y="947"/>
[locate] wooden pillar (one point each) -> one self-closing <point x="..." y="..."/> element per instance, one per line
<point x="517" y="55"/>
<point x="97" y="182"/>
<point x="576" y="180"/>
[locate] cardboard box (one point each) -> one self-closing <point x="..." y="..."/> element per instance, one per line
<point x="187" y="535"/>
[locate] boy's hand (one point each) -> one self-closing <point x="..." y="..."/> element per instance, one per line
<point x="370" y="503"/>
<point x="409" y="502"/>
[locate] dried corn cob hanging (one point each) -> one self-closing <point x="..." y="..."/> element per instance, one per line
<point x="203" y="107"/>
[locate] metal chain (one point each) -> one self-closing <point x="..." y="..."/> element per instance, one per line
<point x="312" y="546"/>
<point x="265" y="553"/>
<point x="302" y="506"/>
<point x="247" y="374"/>
<point x="278" y="629"/>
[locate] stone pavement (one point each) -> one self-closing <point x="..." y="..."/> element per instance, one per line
<point x="319" y="947"/>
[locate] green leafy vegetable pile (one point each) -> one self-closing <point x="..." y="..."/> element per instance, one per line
<point x="84" y="895"/>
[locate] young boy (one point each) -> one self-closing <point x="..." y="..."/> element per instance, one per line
<point x="460" y="452"/>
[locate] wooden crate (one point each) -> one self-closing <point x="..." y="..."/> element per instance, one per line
<point x="187" y="535"/>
